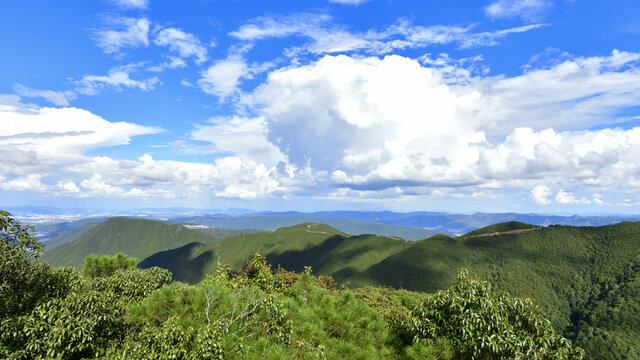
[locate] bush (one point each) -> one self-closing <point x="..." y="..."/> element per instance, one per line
<point x="105" y="265"/>
<point x="482" y="324"/>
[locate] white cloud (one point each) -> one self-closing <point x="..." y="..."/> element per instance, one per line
<point x="60" y="98"/>
<point x="172" y="62"/>
<point x="223" y="78"/>
<point x="364" y="128"/>
<point x="541" y="194"/>
<point x="185" y="44"/>
<point x="328" y="38"/>
<point x="128" y="33"/>
<point x="68" y="187"/>
<point x="132" y="4"/>
<point x="61" y="132"/>
<point x="45" y="150"/>
<point x="565" y="197"/>
<point x="374" y="124"/>
<point x="529" y="10"/>
<point x="245" y="137"/>
<point x="349" y="2"/>
<point x="31" y="182"/>
<point x="117" y="78"/>
<point x="231" y="177"/>
<point x="576" y="93"/>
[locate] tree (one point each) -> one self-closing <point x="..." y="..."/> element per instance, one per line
<point x="105" y="265"/>
<point x="24" y="278"/>
<point x="484" y="324"/>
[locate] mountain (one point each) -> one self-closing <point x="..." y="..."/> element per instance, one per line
<point x="327" y="250"/>
<point x="275" y="221"/>
<point x="580" y="276"/>
<point x="462" y="223"/>
<point x="135" y="237"/>
<point x="575" y="274"/>
<point x="584" y="278"/>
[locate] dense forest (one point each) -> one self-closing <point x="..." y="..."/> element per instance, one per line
<point x="250" y="309"/>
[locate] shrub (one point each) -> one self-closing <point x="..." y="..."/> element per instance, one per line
<point x="480" y="323"/>
<point x="105" y="265"/>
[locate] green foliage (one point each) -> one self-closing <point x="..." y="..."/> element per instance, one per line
<point x="77" y="326"/>
<point x="105" y="265"/>
<point x="212" y="320"/>
<point x="17" y="236"/>
<point x="609" y="324"/>
<point x="483" y="324"/>
<point x="24" y="279"/>
<point x="56" y="313"/>
<point x="588" y="278"/>
<point x="132" y="284"/>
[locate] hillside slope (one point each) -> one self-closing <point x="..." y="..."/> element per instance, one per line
<point x="576" y="274"/>
<point x="566" y="270"/>
<point x="326" y="250"/>
<point x="135" y="237"/>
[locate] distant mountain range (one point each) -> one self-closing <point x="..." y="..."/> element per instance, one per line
<point x="273" y="221"/>
<point x="462" y="223"/>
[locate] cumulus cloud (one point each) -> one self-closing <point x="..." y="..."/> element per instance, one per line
<point x="541" y="194"/>
<point x="366" y="128"/>
<point x="185" y="44"/>
<point x="46" y="150"/>
<point x="31" y="182"/>
<point x="123" y="33"/>
<point x="231" y="177"/>
<point x="223" y="78"/>
<point x="529" y="10"/>
<point x="246" y="137"/>
<point x="372" y="124"/>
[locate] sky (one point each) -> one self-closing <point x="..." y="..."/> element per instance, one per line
<point x="457" y="106"/>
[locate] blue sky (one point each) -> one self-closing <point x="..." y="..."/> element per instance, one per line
<point x="459" y="106"/>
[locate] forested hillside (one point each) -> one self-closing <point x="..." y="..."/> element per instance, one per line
<point x="135" y="237"/>
<point x="569" y="271"/>
<point x="327" y="250"/>
<point x="584" y="278"/>
<point x="112" y="311"/>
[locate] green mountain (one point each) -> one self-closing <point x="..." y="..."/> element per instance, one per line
<point x="327" y="250"/>
<point x="569" y="271"/>
<point x="135" y="237"/>
<point x="576" y="274"/>
<point x="584" y="278"/>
